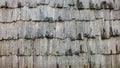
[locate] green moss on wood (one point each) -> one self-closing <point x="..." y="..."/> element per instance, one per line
<point x="18" y="51"/>
<point x="100" y="66"/>
<point x="91" y="5"/>
<point x="104" y="5"/>
<point x="71" y="4"/>
<point x="97" y="7"/>
<point x="79" y="37"/>
<point x="60" y="19"/>
<point x="19" y="5"/>
<point x="79" y="5"/>
<point x="59" y="6"/>
<point x="111" y="6"/>
<point x="69" y="52"/>
<point x="5" y="6"/>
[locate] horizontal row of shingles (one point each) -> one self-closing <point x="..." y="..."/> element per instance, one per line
<point x="75" y="30"/>
<point x="84" y="61"/>
<point x="43" y="61"/>
<point x="105" y="61"/>
<point x="62" y="3"/>
<point x="49" y="14"/>
<point x="57" y="47"/>
<point x="35" y="3"/>
<point x="69" y="48"/>
<point x="54" y="30"/>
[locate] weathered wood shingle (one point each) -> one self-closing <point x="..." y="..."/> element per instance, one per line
<point x="59" y="33"/>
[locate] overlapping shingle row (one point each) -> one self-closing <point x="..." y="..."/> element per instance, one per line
<point x="59" y="33"/>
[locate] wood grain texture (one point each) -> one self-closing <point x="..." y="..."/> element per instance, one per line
<point x="59" y="34"/>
